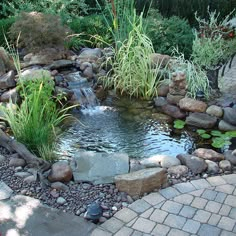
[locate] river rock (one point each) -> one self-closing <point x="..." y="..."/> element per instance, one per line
<point x="208" y="154"/>
<point x="179" y="170"/>
<point x="212" y="167"/>
<point x="174" y="99"/>
<point x="30" y="179"/>
<point x="230" y="156"/>
<point x="214" y="110"/>
<point x="162" y="118"/>
<point x="88" y="72"/>
<point x="192" y="105"/>
<point x="160" y="160"/>
<point x="173" y="111"/>
<point x="75" y="76"/>
<point x="16" y="161"/>
<point x="35" y="73"/>
<point x="59" y="64"/>
<point x="89" y="166"/>
<point x="224" y="126"/>
<point x="60" y="172"/>
<point x="142" y="181"/>
<point x="225" y="165"/>
<point x="163" y="89"/>
<point x="61" y="200"/>
<point x="22" y="174"/>
<point x="160" y="102"/>
<point x="7" y="80"/>
<point x="5" y="191"/>
<point x="10" y="95"/>
<point x="2" y="158"/>
<point x="6" y="63"/>
<point x="196" y="164"/>
<point x="230" y="115"/>
<point x="90" y="55"/>
<point x="59" y="186"/>
<point x="201" y="120"/>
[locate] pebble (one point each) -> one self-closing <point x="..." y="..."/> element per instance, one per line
<point x="102" y="219"/>
<point x="205" y="175"/>
<point x="54" y="193"/>
<point x="106" y="214"/>
<point x="129" y="199"/>
<point x="61" y="200"/>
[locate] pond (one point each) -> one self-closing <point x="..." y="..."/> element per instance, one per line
<point x="124" y="126"/>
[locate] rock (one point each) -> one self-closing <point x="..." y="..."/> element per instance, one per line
<point x="22" y="175"/>
<point x="192" y="105"/>
<point x="35" y="73"/>
<point x="2" y="158"/>
<point x="15" y="161"/>
<point x="89" y="166"/>
<point x="60" y="64"/>
<point x="88" y="73"/>
<point x="201" y="120"/>
<point x="163" y="89"/>
<point x="7" y="80"/>
<point x="142" y="181"/>
<point x="162" y="118"/>
<point x="174" y="99"/>
<point x="30" y="179"/>
<point x="214" y="110"/>
<point x="59" y="186"/>
<point x="230" y="115"/>
<point x="160" y="102"/>
<point x="75" y="76"/>
<point x="225" y="165"/>
<point x="101" y="92"/>
<point x="6" y="63"/>
<point x="173" y="111"/>
<point x="178" y="84"/>
<point x="12" y="95"/>
<point x="212" y="167"/>
<point x="60" y="172"/>
<point x="196" y="164"/>
<point x="224" y="126"/>
<point x="92" y="55"/>
<point x="5" y="191"/>
<point x="230" y="156"/>
<point x="179" y="170"/>
<point x="158" y="59"/>
<point x="61" y="200"/>
<point x="135" y="166"/>
<point x="160" y="160"/>
<point x="208" y="154"/>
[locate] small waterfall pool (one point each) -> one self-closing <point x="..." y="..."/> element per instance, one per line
<point x="114" y="128"/>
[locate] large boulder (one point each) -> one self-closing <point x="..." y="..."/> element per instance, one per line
<point x="142" y="181"/>
<point x="214" y="110"/>
<point x="230" y="115"/>
<point x="160" y="160"/>
<point x="196" y="164"/>
<point x="192" y="105"/>
<point x="173" y="111"/>
<point x="60" y="172"/>
<point x="174" y="99"/>
<point x="163" y="89"/>
<point x="35" y="73"/>
<point x="208" y="154"/>
<point x="99" y="168"/>
<point x="90" y="55"/>
<point x="224" y="126"/>
<point x="7" y="80"/>
<point x="201" y="120"/>
<point x="61" y="64"/>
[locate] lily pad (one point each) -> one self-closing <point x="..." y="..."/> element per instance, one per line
<point x="201" y="131"/>
<point x="179" y="124"/>
<point x="206" y="136"/>
<point x="231" y="134"/>
<point x="216" y="133"/>
<point x="220" y="142"/>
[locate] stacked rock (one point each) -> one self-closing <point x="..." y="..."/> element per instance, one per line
<point x="177" y="87"/>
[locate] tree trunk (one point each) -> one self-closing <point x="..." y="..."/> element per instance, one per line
<point x="13" y="146"/>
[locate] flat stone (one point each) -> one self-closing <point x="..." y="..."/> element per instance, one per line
<point x="214" y="110"/>
<point x="125" y="215"/>
<point x="144" y="225"/>
<point x="192" y="105"/>
<point x="158" y="216"/>
<point x="139" y="206"/>
<point x="113" y="225"/>
<point x="188" y="211"/>
<point x="22" y="174"/>
<point x="175" y="221"/>
<point x="154" y="198"/>
<point x="202" y="216"/>
<point x="230" y="115"/>
<point x="174" y="232"/>
<point x="160" y="160"/>
<point x="184" y="199"/>
<point x="209" y="194"/>
<point x="199" y="203"/>
<point x="172" y="207"/>
<point x="213" y="207"/>
<point x="59" y="64"/>
<point x="123" y="231"/>
<point x="226" y="223"/>
<point x="195" y="164"/>
<point x="59" y="186"/>
<point x="142" y="181"/>
<point x="89" y="166"/>
<point x="208" y="230"/>
<point x="160" y="230"/>
<point x="208" y="154"/>
<point x="201" y="120"/>
<point x="184" y="187"/>
<point x="5" y="191"/>
<point x="216" y="180"/>
<point x="200" y="183"/>
<point x="169" y="192"/>
<point x="173" y="111"/>
<point x="225" y="126"/>
<point x="191" y="226"/>
<point x="214" y="219"/>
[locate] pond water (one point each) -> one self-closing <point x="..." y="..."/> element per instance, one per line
<point x="123" y="128"/>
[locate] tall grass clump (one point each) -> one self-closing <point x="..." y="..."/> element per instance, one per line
<point x="132" y="70"/>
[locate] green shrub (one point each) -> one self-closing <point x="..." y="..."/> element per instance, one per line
<point x="167" y="34"/>
<point x="33" y="122"/>
<point x="132" y="72"/>
<point x="38" y="30"/>
<point x="5" y="25"/>
<point x="92" y="32"/>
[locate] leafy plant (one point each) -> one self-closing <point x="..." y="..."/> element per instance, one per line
<point x="132" y="72"/>
<point x="5" y="25"/>
<point x="169" y="33"/>
<point x="179" y="124"/>
<point x="38" y="30"/>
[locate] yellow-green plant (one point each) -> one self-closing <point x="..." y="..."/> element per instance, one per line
<point x="132" y="70"/>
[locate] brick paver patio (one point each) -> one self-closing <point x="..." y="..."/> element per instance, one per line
<point x="202" y="207"/>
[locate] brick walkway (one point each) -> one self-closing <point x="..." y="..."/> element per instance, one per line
<point x="202" y="207"/>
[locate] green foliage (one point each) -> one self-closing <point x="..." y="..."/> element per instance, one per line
<point x="90" y="31"/>
<point x="33" y="122"/>
<point x="67" y="9"/>
<point x="169" y="33"/>
<point x="5" y="25"/>
<point x="179" y="124"/>
<point x="132" y="72"/>
<point x="196" y="77"/>
<point x="38" y="30"/>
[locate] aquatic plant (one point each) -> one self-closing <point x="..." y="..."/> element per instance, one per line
<point x="179" y="124"/>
